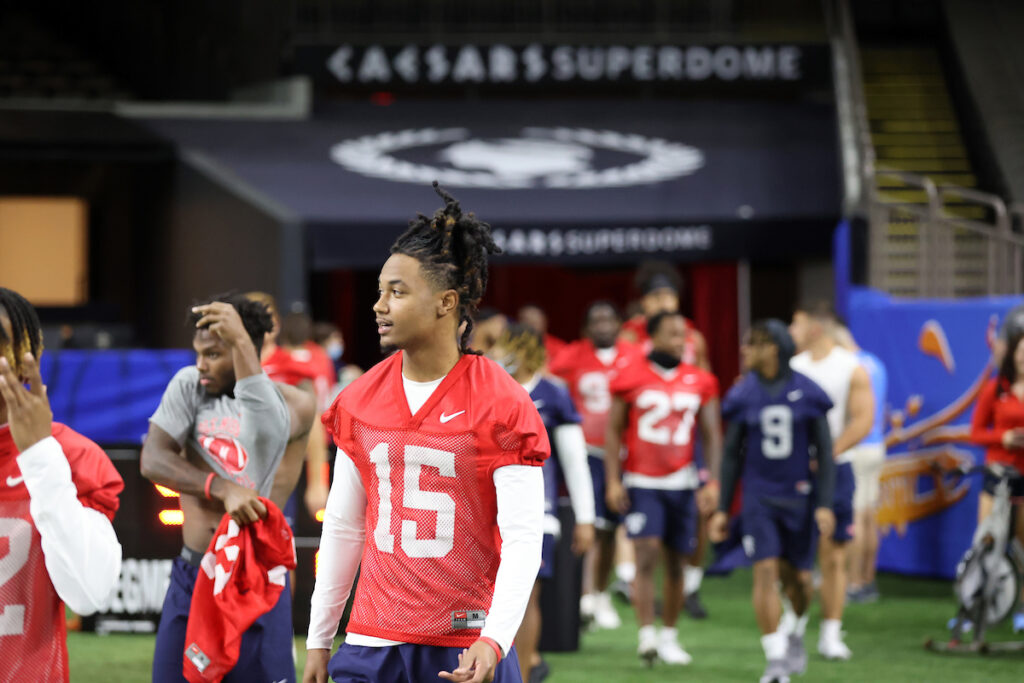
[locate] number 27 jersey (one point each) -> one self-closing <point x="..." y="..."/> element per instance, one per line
<point x="432" y="544"/>
<point x="663" y="409"/>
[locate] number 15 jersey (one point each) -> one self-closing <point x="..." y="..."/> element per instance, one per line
<point x="432" y="544"/>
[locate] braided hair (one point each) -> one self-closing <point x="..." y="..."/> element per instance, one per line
<point x="26" y="332"/>
<point x="452" y="248"/>
<point x="523" y="341"/>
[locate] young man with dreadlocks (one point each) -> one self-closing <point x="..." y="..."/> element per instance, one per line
<point x="58" y="495"/>
<point x="218" y="437"/>
<point x="438" y="494"/>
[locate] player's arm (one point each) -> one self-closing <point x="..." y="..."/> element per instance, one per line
<point x="711" y="439"/>
<point x="80" y="548"/>
<point x="825" y="484"/>
<point x="317" y="469"/>
<point x="618" y="498"/>
<point x="731" y="467"/>
<point x="861" y="409"/>
<point x="341" y="549"/>
<point x="572" y="456"/>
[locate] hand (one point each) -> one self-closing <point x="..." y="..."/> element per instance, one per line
<point x="476" y="664"/>
<point x="718" y="527"/>
<point x="707" y="498"/>
<point x="617" y="497"/>
<point x="1013" y="439"/>
<point x="826" y="520"/>
<point x="582" y="538"/>
<point x="28" y="411"/>
<point x="315" y="498"/>
<point x="223" y="320"/>
<point x="244" y="505"/>
<point x="316" y="666"/>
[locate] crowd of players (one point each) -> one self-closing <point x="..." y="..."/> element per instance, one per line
<point x="444" y="496"/>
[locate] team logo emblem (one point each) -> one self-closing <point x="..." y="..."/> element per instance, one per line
<point x="749" y="545"/>
<point x="227" y="451"/>
<point x="553" y="158"/>
<point x="635" y="522"/>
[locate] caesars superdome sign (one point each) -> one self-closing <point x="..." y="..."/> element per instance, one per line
<point x="537" y="66"/>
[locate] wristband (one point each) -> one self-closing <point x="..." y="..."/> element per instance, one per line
<point x="494" y="645"/>
<point x="206" y="486"/>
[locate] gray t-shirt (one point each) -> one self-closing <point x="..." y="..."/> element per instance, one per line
<point x="242" y="437"/>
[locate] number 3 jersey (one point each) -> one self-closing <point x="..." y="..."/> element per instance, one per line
<point x="32" y="632"/>
<point x="432" y="543"/>
<point x="663" y="408"/>
<point x="777" y="429"/>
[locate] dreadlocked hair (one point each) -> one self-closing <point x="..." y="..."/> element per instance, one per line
<point x="26" y="332"/>
<point x="526" y="343"/>
<point x="452" y="248"/>
<point x="255" y="315"/>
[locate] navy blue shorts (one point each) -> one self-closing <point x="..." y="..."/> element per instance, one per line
<point x="291" y="510"/>
<point x="604" y="519"/>
<point x="1016" y="487"/>
<point x="842" y="506"/>
<point x="407" y="663"/>
<point x="668" y="515"/>
<point x="778" y="529"/>
<point x="547" y="557"/>
<point x="266" y="650"/>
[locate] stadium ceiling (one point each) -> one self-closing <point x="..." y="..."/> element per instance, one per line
<point x="580" y="181"/>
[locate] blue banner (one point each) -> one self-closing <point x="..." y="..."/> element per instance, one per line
<point x="109" y="395"/>
<point x="938" y="355"/>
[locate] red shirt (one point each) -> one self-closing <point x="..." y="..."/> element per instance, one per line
<point x="993" y="416"/>
<point x="553" y="345"/>
<point x="662" y="415"/>
<point x="295" y="366"/>
<point x="588" y="379"/>
<point x="32" y="633"/>
<point x="432" y="545"/>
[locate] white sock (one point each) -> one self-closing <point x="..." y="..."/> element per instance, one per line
<point x="647" y="633"/>
<point x="787" y="624"/>
<point x="830" y="629"/>
<point x="626" y="571"/>
<point x="692" y="576"/>
<point x="774" y="645"/>
<point x="800" y="627"/>
<point x="668" y="635"/>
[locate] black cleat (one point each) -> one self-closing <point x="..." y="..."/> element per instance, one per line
<point x="539" y="672"/>
<point x="694" y="607"/>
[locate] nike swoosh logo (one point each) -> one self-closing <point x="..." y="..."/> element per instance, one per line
<point x="14" y="481"/>
<point x="794" y="395"/>
<point x="448" y="418"/>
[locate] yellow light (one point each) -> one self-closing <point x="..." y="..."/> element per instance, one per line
<point x="320" y="515"/>
<point x="166" y="492"/>
<point x="172" y="517"/>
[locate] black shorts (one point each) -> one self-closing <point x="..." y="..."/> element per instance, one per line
<point x="1016" y="487"/>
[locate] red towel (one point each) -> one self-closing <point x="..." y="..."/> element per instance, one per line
<point x="241" y="578"/>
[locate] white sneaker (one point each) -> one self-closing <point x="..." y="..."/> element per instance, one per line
<point x="587" y="608"/>
<point x="647" y="646"/>
<point x="605" y="615"/>
<point x="671" y="652"/>
<point x="834" y="649"/>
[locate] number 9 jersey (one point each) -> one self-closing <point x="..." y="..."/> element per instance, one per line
<point x="778" y="433"/>
<point x="663" y="409"/>
<point x="432" y="544"/>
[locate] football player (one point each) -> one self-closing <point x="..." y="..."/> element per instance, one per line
<point x="777" y="426"/>
<point x="658" y="403"/>
<point x="438" y="493"/>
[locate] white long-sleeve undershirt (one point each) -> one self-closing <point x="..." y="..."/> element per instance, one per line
<point x="572" y="456"/>
<point x="80" y="549"/>
<point x="520" y="502"/>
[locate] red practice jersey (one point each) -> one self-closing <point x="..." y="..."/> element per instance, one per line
<point x="588" y="379"/>
<point x="634" y="331"/>
<point x="662" y="419"/>
<point x="432" y="544"/>
<point x="32" y="633"/>
<point x="295" y="366"/>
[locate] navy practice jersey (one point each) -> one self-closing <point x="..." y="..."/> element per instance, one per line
<point x="777" y="433"/>
<point x="556" y="408"/>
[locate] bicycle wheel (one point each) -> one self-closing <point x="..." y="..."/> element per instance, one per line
<point x="1001" y="579"/>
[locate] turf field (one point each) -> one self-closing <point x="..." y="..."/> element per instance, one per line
<point x="886" y="639"/>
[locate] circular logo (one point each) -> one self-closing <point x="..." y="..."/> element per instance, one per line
<point x="227" y="451"/>
<point x="554" y="158"/>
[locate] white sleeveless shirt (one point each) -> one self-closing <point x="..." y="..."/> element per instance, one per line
<point x="832" y="373"/>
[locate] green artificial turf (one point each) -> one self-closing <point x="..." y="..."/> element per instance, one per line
<point x="886" y="638"/>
